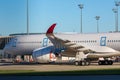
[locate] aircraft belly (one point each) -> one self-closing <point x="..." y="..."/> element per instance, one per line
<point x="97" y="55"/>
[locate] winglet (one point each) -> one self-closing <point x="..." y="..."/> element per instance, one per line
<point x="51" y="28"/>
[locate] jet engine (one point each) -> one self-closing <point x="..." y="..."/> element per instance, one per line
<point x="44" y="55"/>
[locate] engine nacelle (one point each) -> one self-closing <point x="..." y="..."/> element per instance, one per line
<point x="44" y="55"/>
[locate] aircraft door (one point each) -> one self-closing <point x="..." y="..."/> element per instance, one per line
<point x="14" y="42"/>
<point x="45" y="42"/>
<point x="103" y="41"/>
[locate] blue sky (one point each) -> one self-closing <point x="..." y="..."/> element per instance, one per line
<point x="66" y="13"/>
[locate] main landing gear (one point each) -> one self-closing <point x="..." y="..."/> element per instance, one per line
<point x="105" y="62"/>
<point x="82" y="63"/>
<point x="81" y="59"/>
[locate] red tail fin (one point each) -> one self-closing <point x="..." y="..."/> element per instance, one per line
<point x="51" y="28"/>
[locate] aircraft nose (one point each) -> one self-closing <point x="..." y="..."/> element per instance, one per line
<point x="6" y="49"/>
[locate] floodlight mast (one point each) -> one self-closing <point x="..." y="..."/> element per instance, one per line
<point x="115" y="10"/>
<point x="27" y="18"/>
<point x="81" y="7"/>
<point x="97" y="18"/>
<point x="117" y="4"/>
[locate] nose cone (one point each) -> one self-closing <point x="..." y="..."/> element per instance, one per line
<point x="10" y="47"/>
<point x="7" y="49"/>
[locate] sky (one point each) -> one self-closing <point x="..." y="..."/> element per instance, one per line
<point x="66" y="13"/>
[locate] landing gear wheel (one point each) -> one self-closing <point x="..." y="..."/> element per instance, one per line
<point x="77" y="63"/>
<point x="110" y="62"/>
<point x="106" y="62"/>
<point x="100" y="63"/>
<point x="83" y="63"/>
<point x="87" y="63"/>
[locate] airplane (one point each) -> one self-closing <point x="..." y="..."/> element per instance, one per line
<point x="84" y="47"/>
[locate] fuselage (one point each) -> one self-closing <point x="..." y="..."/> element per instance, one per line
<point x="25" y="44"/>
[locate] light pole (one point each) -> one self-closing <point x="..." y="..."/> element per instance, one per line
<point x="81" y="7"/>
<point x="116" y="12"/>
<point x="116" y="18"/>
<point x="27" y="19"/>
<point x="97" y="18"/>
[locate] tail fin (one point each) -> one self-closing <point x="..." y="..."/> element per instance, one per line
<point x="51" y="28"/>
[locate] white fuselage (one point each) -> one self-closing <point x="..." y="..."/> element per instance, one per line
<point x="25" y="44"/>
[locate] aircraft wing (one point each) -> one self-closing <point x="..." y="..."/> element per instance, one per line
<point x="70" y="49"/>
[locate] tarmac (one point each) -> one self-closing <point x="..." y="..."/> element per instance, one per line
<point x="55" y="67"/>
